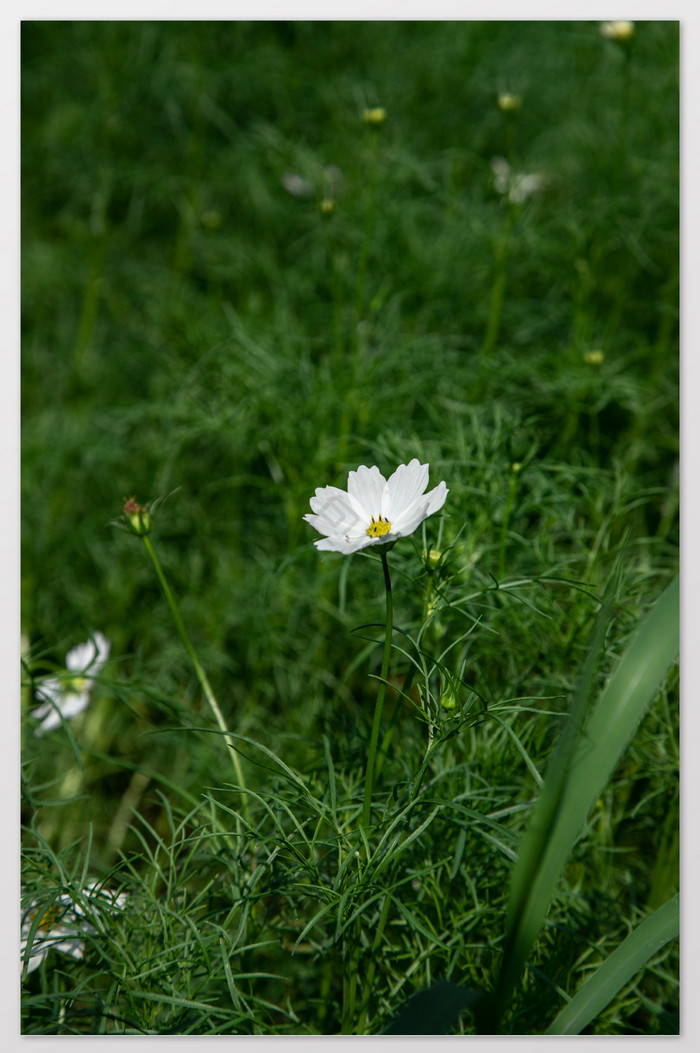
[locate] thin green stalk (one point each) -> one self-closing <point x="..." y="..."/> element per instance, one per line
<point x="333" y="265"/>
<point x="376" y="725"/>
<point x="512" y="485"/>
<point x="372" y="966"/>
<point x="386" y="738"/>
<point x="499" y="283"/>
<point x="370" y="213"/>
<point x="201" y="675"/>
<point x="352" y="963"/>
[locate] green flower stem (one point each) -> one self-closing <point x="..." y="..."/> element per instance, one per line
<point x="371" y="757"/>
<point x="201" y="675"/>
<point x="400" y="702"/>
<point x="501" y="255"/>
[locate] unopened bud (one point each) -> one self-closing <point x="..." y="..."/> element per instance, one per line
<point x="508" y="102"/>
<point x="620" y="30"/>
<point x="376" y="115"/>
<point x="434" y="557"/>
<point x="448" y="701"/>
<point x="138" y="517"/>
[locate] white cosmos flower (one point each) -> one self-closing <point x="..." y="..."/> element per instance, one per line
<point x="63" y="924"/>
<point x="373" y="510"/>
<point x="66" y="696"/>
<point x="516" y="186"/>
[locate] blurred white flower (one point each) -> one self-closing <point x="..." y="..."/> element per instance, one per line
<point x="66" y="696"/>
<point x="296" y="185"/>
<point x="516" y="186"/>
<point x="373" y="510"/>
<point x="63" y="925"/>
<point x="327" y="181"/>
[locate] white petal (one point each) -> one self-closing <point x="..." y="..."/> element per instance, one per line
<point x="51" y="690"/>
<point x="91" y="655"/>
<point x="336" y="513"/>
<point x="318" y="523"/>
<point x="36" y="958"/>
<point x="41" y="711"/>
<point x="103" y="648"/>
<point x="409" y="521"/>
<point x="344" y="544"/>
<point x="406" y="487"/>
<point x="48" y="722"/>
<point x="436" y="498"/>
<point x="417" y="512"/>
<point x="74" y="703"/>
<point x="80" y="657"/>
<point x="369" y="488"/>
<point x="335" y="510"/>
<point x="332" y="527"/>
<point x="69" y="706"/>
<point x="74" y="947"/>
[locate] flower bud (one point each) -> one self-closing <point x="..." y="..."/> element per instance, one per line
<point x="593" y="358"/>
<point x="375" y="116"/>
<point x="448" y="701"/>
<point x="138" y="517"/>
<point x="620" y="30"/>
<point x="509" y="103"/>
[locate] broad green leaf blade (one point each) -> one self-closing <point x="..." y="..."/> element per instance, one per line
<point x="434" y="1011"/>
<point x="610" y="977"/>
<point x="591" y="758"/>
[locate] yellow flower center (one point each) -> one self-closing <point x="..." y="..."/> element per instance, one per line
<point x="77" y="684"/>
<point x="379" y="527"/>
<point x="49" y="917"/>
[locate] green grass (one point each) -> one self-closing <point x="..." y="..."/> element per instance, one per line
<point x="195" y="334"/>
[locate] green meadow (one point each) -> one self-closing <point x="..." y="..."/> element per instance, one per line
<point x="255" y="256"/>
